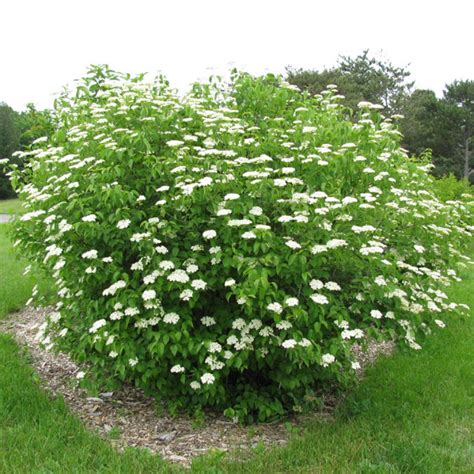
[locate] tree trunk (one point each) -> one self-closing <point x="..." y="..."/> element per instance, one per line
<point x="466" y="154"/>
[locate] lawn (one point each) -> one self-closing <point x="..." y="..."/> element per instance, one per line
<point x="10" y="206"/>
<point x="413" y="412"/>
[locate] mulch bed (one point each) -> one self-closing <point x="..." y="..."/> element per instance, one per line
<point x="128" y="418"/>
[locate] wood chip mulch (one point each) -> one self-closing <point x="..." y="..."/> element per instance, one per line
<point x="128" y="418"/>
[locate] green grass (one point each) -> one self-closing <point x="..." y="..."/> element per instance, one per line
<point x="15" y="289"/>
<point x="414" y="412"/>
<point x="10" y="206"/>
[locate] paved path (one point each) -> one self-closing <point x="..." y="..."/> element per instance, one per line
<point x="4" y="218"/>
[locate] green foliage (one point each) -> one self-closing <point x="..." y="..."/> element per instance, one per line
<point x="227" y="249"/>
<point x="384" y="423"/>
<point x="449" y="188"/>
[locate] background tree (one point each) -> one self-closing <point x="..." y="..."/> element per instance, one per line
<point x="458" y="102"/>
<point x="17" y="132"/>
<point x="362" y="78"/>
<point x="9" y="142"/>
<point x="444" y="126"/>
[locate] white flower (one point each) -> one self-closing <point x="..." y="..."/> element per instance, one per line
<point x="166" y="265"/>
<point x="256" y="211"/>
<point x="292" y="302"/>
<point x="89" y="254"/>
<point x="113" y="354"/>
<point x="80" y="375"/>
<point x="111" y="290"/>
<point x="123" y="224"/>
<point x="171" y="318"/>
<point x="177" y="369"/>
<point x="419" y="248"/>
<point x="174" y="143"/>
<point x="207" y="378"/>
<point x="178" y="275"/>
<point x="318" y="298"/>
<point x="192" y="268"/>
<point x="316" y="284"/>
<point x="292" y="244"/>
<point x="380" y="281"/>
<point x="161" y="249"/>
<point x="284" y="325"/>
<point x="199" y="284"/>
<point x="335" y="243"/>
<point x="139" y="236"/>
<point x="209" y="234"/>
<point x="186" y="295"/>
<point x="289" y="344"/>
<point x="238" y="222"/>
<point x="229" y="282"/>
<point x="232" y="340"/>
<point x="304" y="342"/>
<point x="91" y="270"/>
<point x="309" y="129"/>
<point x="97" y="325"/>
<point x="208" y="321"/>
<point x="214" y="347"/>
<point x="275" y="307"/>
<point x="332" y="286"/>
<point x="223" y="212"/>
<point x="327" y="359"/>
<point x="355" y="365"/>
<point x="116" y="315"/>
<point x="149" y="295"/>
<point x="231" y="197"/>
<point x="89" y="218"/>
<point x="376" y="314"/>
<point x="238" y="324"/>
<point x="133" y="362"/>
<point x="318" y="249"/>
<point x="440" y="323"/>
<point x="249" y="235"/>
<point x="195" y="385"/>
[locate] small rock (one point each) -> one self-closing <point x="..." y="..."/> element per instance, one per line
<point x="175" y="458"/>
<point x="107" y="394"/>
<point x="167" y="437"/>
<point x="94" y="399"/>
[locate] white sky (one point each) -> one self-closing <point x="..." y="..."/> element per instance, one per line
<point x="45" y="44"/>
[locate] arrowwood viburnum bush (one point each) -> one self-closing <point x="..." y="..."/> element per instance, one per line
<point x="228" y="247"/>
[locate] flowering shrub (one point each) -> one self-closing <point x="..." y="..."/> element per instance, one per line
<point x="227" y="248"/>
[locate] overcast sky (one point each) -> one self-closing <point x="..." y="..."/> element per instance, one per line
<point x="46" y="44"/>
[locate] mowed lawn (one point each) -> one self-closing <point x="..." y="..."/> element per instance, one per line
<point x="10" y="206"/>
<point x="413" y="412"/>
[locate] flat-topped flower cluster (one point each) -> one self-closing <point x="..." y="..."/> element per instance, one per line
<point x="227" y="248"/>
